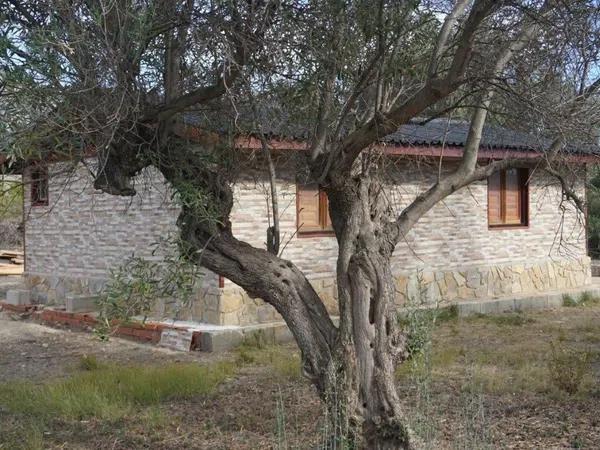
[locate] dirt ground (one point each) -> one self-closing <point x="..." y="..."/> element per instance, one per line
<point x="485" y="384"/>
<point x="36" y="352"/>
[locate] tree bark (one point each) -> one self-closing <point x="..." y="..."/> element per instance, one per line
<point x="370" y="341"/>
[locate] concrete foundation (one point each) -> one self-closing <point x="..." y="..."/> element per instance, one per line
<point x="80" y="303"/>
<point x="18" y="297"/>
<point x="217" y="339"/>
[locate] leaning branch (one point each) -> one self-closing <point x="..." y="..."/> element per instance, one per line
<point x="467" y="171"/>
<point x="432" y="91"/>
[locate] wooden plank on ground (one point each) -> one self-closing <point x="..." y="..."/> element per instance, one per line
<point x="11" y="269"/>
<point x="11" y="254"/>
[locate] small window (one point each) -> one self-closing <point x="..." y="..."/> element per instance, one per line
<point x="39" y="186"/>
<point x="508" y="198"/>
<point x="312" y="210"/>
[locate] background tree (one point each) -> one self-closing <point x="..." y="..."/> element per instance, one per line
<point x="120" y="77"/>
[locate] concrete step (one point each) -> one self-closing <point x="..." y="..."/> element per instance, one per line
<point x="9" y="283"/>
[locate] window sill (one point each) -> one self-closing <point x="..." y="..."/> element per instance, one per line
<point x="312" y="234"/>
<point x="507" y="227"/>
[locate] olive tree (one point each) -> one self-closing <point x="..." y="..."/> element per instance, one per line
<point x="116" y="79"/>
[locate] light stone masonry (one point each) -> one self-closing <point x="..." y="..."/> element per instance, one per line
<point x="450" y="255"/>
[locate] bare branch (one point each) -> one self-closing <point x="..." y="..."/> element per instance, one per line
<point x="442" y="42"/>
<point x="432" y="91"/>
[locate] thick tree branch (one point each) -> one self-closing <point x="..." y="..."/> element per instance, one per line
<point x="432" y="91"/>
<point x="442" y="43"/>
<point x="280" y="283"/>
<point x="466" y="172"/>
<point x="246" y="43"/>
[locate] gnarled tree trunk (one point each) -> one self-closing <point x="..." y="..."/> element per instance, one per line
<point x="351" y="366"/>
<point x="370" y="342"/>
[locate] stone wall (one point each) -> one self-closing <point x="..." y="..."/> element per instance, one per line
<point x="451" y="250"/>
<point x="489" y="282"/>
<point x="72" y="244"/>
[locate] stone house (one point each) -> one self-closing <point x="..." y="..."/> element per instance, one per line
<point x="510" y="236"/>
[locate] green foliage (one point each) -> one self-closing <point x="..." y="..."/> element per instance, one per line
<point x="111" y="392"/>
<point x="418" y="323"/>
<point x="193" y="197"/>
<point x="89" y="362"/>
<point x="588" y="299"/>
<point x="568" y="367"/>
<point x="11" y="200"/>
<point x="419" y="368"/>
<point x="585" y="299"/>
<point x="134" y="287"/>
<point x="569" y="301"/>
<point x="593" y="210"/>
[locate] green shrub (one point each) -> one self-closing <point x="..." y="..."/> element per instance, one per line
<point x="569" y="301"/>
<point x="568" y="367"/>
<point x="585" y="299"/>
<point x="588" y="299"/>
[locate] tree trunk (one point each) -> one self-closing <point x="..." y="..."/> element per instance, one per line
<point x="352" y="366"/>
<point x="370" y="342"/>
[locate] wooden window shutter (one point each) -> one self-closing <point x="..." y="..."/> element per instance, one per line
<point x="325" y="211"/>
<point x="309" y="207"/>
<point x="512" y="202"/>
<point x="495" y="199"/>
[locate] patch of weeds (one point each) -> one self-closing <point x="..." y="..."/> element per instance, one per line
<point x="569" y="301"/>
<point x="473" y="419"/>
<point x="445" y="356"/>
<point x="568" y="367"/>
<point x="335" y="430"/>
<point x="280" y="430"/>
<point x="89" y="363"/>
<point x="501" y="380"/>
<point x="418" y="324"/>
<point x="257" y="339"/>
<point x="577" y="442"/>
<point x="285" y="362"/>
<point x="111" y="392"/>
<point x="516" y="319"/>
<point x="588" y="299"/>
<point x="447" y="314"/>
<point x="154" y="417"/>
<point x="22" y="434"/>
<point x="513" y="320"/>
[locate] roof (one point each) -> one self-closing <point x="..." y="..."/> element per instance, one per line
<point x="432" y="133"/>
<point x="448" y="132"/>
<point x="419" y="132"/>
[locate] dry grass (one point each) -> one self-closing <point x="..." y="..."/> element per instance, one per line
<point x="102" y="393"/>
<point x="284" y="362"/>
<point x="508" y="353"/>
<point x="486" y="383"/>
